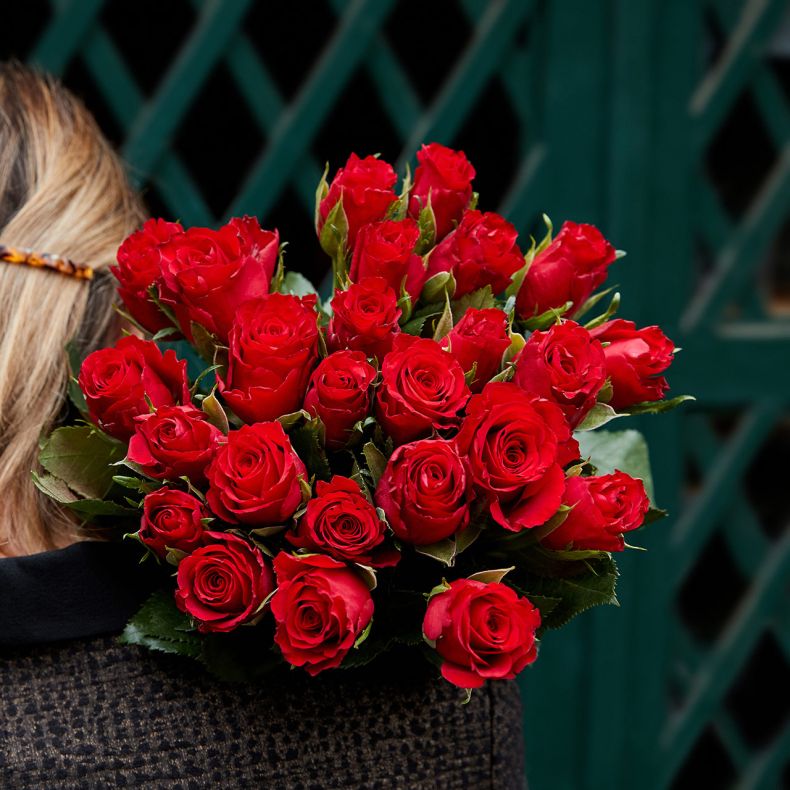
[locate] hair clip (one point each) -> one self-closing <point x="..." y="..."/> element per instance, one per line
<point x="53" y="263"/>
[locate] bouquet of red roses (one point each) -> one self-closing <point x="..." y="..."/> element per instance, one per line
<point x="413" y="462"/>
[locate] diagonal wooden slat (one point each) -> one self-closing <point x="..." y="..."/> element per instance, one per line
<point x="154" y="127"/>
<point x="65" y="32"/>
<point x="496" y="29"/>
<point x="296" y="129"/>
<point x="764" y="772"/>
<point x="728" y="656"/>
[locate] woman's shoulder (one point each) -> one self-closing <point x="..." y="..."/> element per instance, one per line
<point x="85" y="590"/>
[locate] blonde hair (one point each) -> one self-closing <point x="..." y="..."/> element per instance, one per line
<point x="63" y="190"/>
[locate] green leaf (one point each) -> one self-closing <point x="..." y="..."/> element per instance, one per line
<point x="445" y="324"/>
<point x="481" y="299"/>
<point x="547" y="319"/>
<point x="81" y="456"/>
<point x="426" y="222"/>
<point x="437" y="286"/>
<point x="159" y="625"/>
<point x="414" y="327"/>
<point x="308" y="441"/>
<point x="491" y="577"/>
<point x="214" y="411"/>
<point x="204" y="342"/>
<point x="297" y="284"/>
<point x="320" y="193"/>
<point x="376" y="461"/>
<point x="88" y="509"/>
<point x="587" y="583"/>
<point x="623" y="450"/>
<point x="599" y="415"/>
<point x="659" y="406"/>
<point x="444" y="551"/>
<point x="545" y="604"/>
<point x="288" y="421"/>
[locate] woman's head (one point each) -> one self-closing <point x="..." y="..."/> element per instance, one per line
<point x="62" y="191"/>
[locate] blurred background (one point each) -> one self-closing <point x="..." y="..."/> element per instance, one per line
<point x="664" y="122"/>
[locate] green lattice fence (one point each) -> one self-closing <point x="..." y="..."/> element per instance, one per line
<point x="666" y="122"/>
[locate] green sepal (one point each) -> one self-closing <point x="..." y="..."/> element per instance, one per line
<point x="426" y="221"/>
<point x="546" y="319"/>
<point x="308" y="441"/>
<point x="297" y="285"/>
<point x="445" y="323"/>
<point x="376" y="461"/>
<point x="614" y="305"/>
<point x="321" y="191"/>
<point x="437" y="286"/>
<point x="214" y="412"/>
<point x="599" y="415"/>
<point x="658" y="406"/>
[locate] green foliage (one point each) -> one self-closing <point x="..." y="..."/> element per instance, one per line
<point x="623" y="450"/>
<point x="159" y="625"/>
<point x="308" y="441"/>
<point x="296" y="284"/>
<point x="481" y="299"/>
<point x="81" y="457"/>
<point x="659" y="406"/>
<point x="599" y="415"/>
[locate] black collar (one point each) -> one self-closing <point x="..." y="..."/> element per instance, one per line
<point x="86" y="590"/>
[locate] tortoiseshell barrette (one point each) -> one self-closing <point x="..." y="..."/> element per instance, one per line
<point x="38" y="260"/>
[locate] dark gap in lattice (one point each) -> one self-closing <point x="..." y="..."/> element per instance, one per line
<point x="288" y="37"/>
<point x="490" y="137"/>
<point x="775" y="274"/>
<point x="296" y="227"/>
<point x="758" y="700"/>
<point x="148" y="34"/>
<point x="714" y="38"/>
<point x="427" y="40"/>
<point x="219" y="140"/>
<point x="708" y="759"/>
<point x="781" y="69"/>
<point x="80" y="81"/>
<point x="357" y="122"/>
<point x="765" y="482"/>
<point x="155" y="205"/>
<point x="23" y="23"/>
<point x="710" y="592"/>
<point x="740" y="156"/>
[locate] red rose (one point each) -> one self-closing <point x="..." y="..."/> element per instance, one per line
<point x="224" y="583"/>
<point x="340" y="393"/>
<point x="209" y="273"/>
<point x="568" y="270"/>
<point x="386" y="249"/>
<point x="481" y="631"/>
<point x="340" y="522"/>
<point x="514" y="453"/>
<point x="139" y="267"/>
<point x="564" y="365"/>
<point x="446" y="175"/>
<point x="479" y="338"/>
<point x="256" y="477"/>
<point x="364" y="318"/>
<point x="635" y="360"/>
<point x="481" y="251"/>
<point x="366" y="188"/>
<point x="173" y="442"/>
<point x="603" y="508"/>
<point x="118" y="383"/>
<point x="172" y="519"/>
<point x="422" y="389"/>
<point x="321" y="608"/>
<point x="424" y="492"/>
<point x="273" y="347"/>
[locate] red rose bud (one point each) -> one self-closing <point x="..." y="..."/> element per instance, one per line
<point x="340" y="394"/>
<point x="386" y="249"/>
<point x="365" y="187"/>
<point x="273" y="347"/>
<point x="321" y="608"/>
<point x="173" y="442"/>
<point x="139" y="268"/>
<point x="603" y="508"/>
<point x="568" y="270"/>
<point x="364" y="318"/>
<point x="481" y="631"/>
<point x="424" y="492"/>
<point x="481" y="251"/>
<point x="514" y="448"/>
<point x="255" y="478"/>
<point x="172" y="519"/>
<point x="635" y="360"/>
<point x="340" y="522"/>
<point x="422" y="389"/>
<point x="209" y="273"/>
<point x="446" y="176"/>
<point x="120" y="382"/>
<point x="479" y="339"/>
<point x="565" y="365"/>
<point x="223" y="584"/>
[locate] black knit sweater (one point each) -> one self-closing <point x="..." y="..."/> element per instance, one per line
<point x="79" y="710"/>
